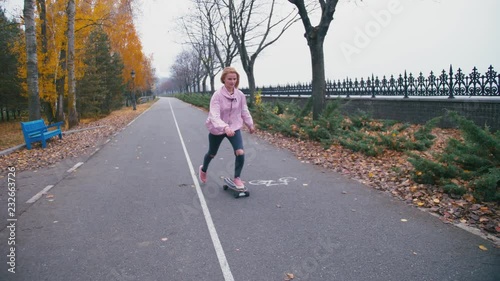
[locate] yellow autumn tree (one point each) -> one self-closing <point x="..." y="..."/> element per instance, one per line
<point x="110" y="14"/>
<point x="49" y="66"/>
<point x="107" y="14"/>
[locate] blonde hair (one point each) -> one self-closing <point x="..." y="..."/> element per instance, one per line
<point x="228" y="70"/>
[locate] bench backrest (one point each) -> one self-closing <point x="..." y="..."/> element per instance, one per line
<point x="35" y="126"/>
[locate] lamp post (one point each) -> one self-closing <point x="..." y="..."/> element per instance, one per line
<point x="132" y="73"/>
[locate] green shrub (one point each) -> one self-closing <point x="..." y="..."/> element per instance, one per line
<point x="360" y="119"/>
<point x="201" y="100"/>
<point x="475" y="159"/>
<point x="307" y="108"/>
<point x="331" y="119"/>
<point x="423" y="136"/>
<point x="485" y="142"/>
<point x="487" y="187"/>
<point x="318" y="133"/>
<point x="452" y="188"/>
<point x="359" y="141"/>
<point x="430" y="172"/>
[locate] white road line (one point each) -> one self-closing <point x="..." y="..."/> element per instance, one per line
<point x="226" y="271"/>
<point x="39" y="194"/>
<point x="75" y="167"/>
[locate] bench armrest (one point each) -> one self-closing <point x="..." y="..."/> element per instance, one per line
<point x="58" y="125"/>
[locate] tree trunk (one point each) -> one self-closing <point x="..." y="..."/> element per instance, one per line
<point x="43" y="20"/>
<point x="46" y="104"/>
<point x="247" y="64"/>
<point x="251" y="83"/>
<point x="204" y="83"/>
<point x="315" y="36"/>
<point x="32" y="60"/>
<point x="318" y="74"/>
<point x="212" y="83"/>
<point x="72" y="114"/>
<point x="60" y="85"/>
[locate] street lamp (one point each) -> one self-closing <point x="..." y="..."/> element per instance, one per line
<point x="132" y="73"/>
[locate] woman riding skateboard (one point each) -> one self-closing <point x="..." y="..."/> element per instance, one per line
<point x="228" y="112"/>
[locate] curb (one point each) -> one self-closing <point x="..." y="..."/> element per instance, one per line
<point x="12" y="149"/>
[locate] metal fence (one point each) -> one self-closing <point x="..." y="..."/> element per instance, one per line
<point x="447" y="84"/>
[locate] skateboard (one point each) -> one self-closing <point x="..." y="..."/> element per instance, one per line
<point x="237" y="193"/>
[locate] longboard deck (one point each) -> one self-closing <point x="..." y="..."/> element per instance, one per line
<point x="237" y="192"/>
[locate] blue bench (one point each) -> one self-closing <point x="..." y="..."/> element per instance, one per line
<point x="37" y="131"/>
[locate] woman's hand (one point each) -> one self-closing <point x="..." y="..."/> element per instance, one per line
<point x="228" y="131"/>
<point x="251" y="129"/>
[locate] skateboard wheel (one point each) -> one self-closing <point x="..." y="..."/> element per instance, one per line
<point x="237" y="195"/>
<point x="247" y="194"/>
<point x="225" y="187"/>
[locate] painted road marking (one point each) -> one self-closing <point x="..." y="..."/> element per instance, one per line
<point x="75" y="167"/>
<point x="280" y="181"/>
<point x="39" y="194"/>
<point x="226" y="271"/>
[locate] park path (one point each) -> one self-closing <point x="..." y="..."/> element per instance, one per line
<point x="135" y="211"/>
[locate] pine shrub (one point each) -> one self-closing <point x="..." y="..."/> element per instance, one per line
<point x="454" y="189"/>
<point x="424" y="137"/>
<point x="476" y="158"/>
<point x="431" y="172"/>
<point x="361" y="142"/>
<point x="487" y="187"/>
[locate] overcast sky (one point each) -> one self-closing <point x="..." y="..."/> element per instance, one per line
<point x="382" y="37"/>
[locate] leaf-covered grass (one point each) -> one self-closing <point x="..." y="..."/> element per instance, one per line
<point x="11" y="134"/>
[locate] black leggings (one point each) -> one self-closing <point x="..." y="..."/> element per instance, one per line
<point x="214" y="142"/>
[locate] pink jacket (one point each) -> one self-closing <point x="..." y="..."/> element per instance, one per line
<point x="228" y="110"/>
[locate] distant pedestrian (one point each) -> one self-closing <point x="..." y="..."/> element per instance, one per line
<point x="228" y="112"/>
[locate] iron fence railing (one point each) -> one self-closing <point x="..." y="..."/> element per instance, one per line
<point x="450" y="84"/>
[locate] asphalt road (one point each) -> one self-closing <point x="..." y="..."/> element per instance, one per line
<point x="135" y="211"/>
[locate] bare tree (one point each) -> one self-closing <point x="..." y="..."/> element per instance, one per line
<point x="185" y="71"/>
<point x="220" y="34"/>
<point x="198" y="70"/>
<point x="166" y="86"/>
<point x="315" y="36"/>
<point x="73" y="115"/>
<point x="199" y="41"/>
<point x="208" y="32"/>
<point x="32" y="60"/>
<point x="254" y="26"/>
